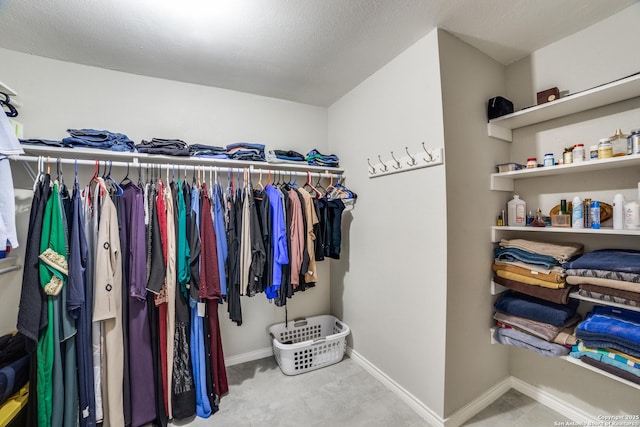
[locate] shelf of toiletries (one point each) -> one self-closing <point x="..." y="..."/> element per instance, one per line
<point x="619" y="90"/>
<point x="496" y="230"/>
<point x="503" y="181"/>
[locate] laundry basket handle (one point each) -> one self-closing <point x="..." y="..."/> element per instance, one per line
<point x="299" y="322"/>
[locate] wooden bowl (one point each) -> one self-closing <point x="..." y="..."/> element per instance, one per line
<point x="606" y="211"/>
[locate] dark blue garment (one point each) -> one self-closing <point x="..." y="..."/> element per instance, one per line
<point x="40" y="141"/>
<point x="622" y="260"/>
<point x="516" y="254"/>
<point x="198" y="362"/>
<point x="627" y="332"/>
<point x="278" y="240"/>
<point x="221" y="237"/>
<point x="81" y="298"/>
<point x="247" y="145"/>
<point x="13" y="376"/>
<point x="536" y="309"/>
<point x="103" y="139"/>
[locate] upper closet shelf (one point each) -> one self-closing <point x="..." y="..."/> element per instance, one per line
<point x="7" y="90"/>
<point x="496" y="231"/>
<point x="619" y="90"/>
<point x="503" y="181"/>
<point x="97" y="154"/>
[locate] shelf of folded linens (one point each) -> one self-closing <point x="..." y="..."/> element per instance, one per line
<point x="578" y="362"/>
<point x="576" y="295"/>
<point x="503" y="181"/>
<point x="135" y="157"/>
<point x="496" y="230"/>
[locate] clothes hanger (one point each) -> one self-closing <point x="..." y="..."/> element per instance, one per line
<point x="308" y="184"/>
<point x="126" y="178"/>
<point x="119" y="191"/>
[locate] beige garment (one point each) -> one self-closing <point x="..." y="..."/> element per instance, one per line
<point x="107" y="307"/>
<point x="296" y="233"/>
<point x="561" y="252"/>
<point x="245" y="244"/>
<point x="172" y="277"/>
<point x="529" y="273"/>
<point x="311" y="218"/>
<point x="608" y="283"/>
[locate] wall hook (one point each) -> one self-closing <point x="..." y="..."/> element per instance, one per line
<point x="397" y="165"/>
<point x="428" y="154"/>
<point x="373" y="170"/>
<point x="383" y="164"/>
<point x="413" y="159"/>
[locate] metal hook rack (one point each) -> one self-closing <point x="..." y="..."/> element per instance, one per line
<point x="416" y="160"/>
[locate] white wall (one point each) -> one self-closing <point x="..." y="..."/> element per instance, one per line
<point x="469" y="78"/>
<point x="596" y="55"/>
<point x="58" y="95"/>
<point x="390" y="286"/>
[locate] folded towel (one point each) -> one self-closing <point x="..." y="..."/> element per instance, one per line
<point x="561" y="252"/>
<point x="536" y="309"/>
<point x="610" y="294"/>
<point x="612" y="354"/>
<point x="529" y="272"/>
<point x="623" y="260"/>
<point x="541" y="330"/>
<point x="553" y="270"/>
<point x="606" y="360"/>
<point x="520" y="339"/>
<point x="529" y="280"/>
<point x="604" y="274"/>
<point x="515" y="254"/>
<point x="559" y="296"/>
<point x="607" y="283"/>
<point x="610" y="369"/>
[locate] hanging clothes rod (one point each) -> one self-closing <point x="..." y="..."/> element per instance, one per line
<point x="172" y="167"/>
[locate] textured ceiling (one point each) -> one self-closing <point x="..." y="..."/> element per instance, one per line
<point x="311" y="51"/>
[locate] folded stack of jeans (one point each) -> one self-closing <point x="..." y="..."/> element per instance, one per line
<point x="102" y="139"/>
<point x="209" y="151"/>
<point x="315" y="158"/>
<point x="281" y="156"/>
<point x="168" y="147"/>
<point x="246" y="151"/>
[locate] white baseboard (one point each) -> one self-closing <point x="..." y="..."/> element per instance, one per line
<point x="248" y="357"/>
<point x="415" y="404"/>
<point x="547" y="399"/>
<point x="469" y="410"/>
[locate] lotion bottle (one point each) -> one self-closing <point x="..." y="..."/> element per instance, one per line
<point x="618" y="211"/>
<point x="577" y="219"/>
<point x="517" y="212"/>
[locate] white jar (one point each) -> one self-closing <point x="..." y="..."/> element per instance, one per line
<point x="578" y="153"/>
<point x="632" y="215"/>
<point x="517" y="212"/>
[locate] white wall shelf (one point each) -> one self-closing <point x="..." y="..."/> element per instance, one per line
<point x="6" y="89"/>
<point x="134" y="157"/>
<point x="576" y="295"/>
<point x="503" y="181"/>
<point x="579" y="363"/>
<point x="497" y="230"/>
<point x="619" y="90"/>
<point x="497" y="289"/>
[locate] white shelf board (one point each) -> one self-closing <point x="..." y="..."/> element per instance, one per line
<point x="503" y="181"/>
<point x="6" y="89"/>
<point x="576" y="295"/>
<point x="581" y="364"/>
<point x="598" y="371"/>
<point x="497" y="289"/>
<point x="134" y="157"/>
<point x="609" y="93"/>
<point x="567" y="230"/>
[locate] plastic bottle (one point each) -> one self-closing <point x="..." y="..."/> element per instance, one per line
<point x="632" y="215"/>
<point x="577" y="220"/>
<point x="595" y="214"/>
<point x="618" y="212"/>
<point x="517" y="211"/>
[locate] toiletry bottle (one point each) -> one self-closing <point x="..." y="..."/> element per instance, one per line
<point x="595" y="214"/>
<point x="577" y="220"/>
<point x="618" y="212"/>
<point x="517" y="211"/>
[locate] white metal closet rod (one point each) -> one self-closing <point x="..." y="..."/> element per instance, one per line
<point x="252" y="169"/>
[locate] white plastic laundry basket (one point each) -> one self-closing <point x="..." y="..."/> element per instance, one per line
<point x="303" y="345"/>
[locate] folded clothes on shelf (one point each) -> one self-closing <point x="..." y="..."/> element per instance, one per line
<point x="281" y="156"/>
<point x="608" y="367"/>
<point x="209" y="151"/>
<point x="556" y="334"/>
<point x="102" y="139"/>
<point x="315" y="158"/>
<point x="558" y="296"/>
<point x="246" y="151"/>
<point x="535" y="308"/>
<point x="621" y="260"/>
<point x="560" y="251"/>
<point x="607" y="294"/>
<point x="520" y="339"/>
<point x="43" y="142"/>
<point x="168" y="147"/>
<point x="516" y="254"/>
